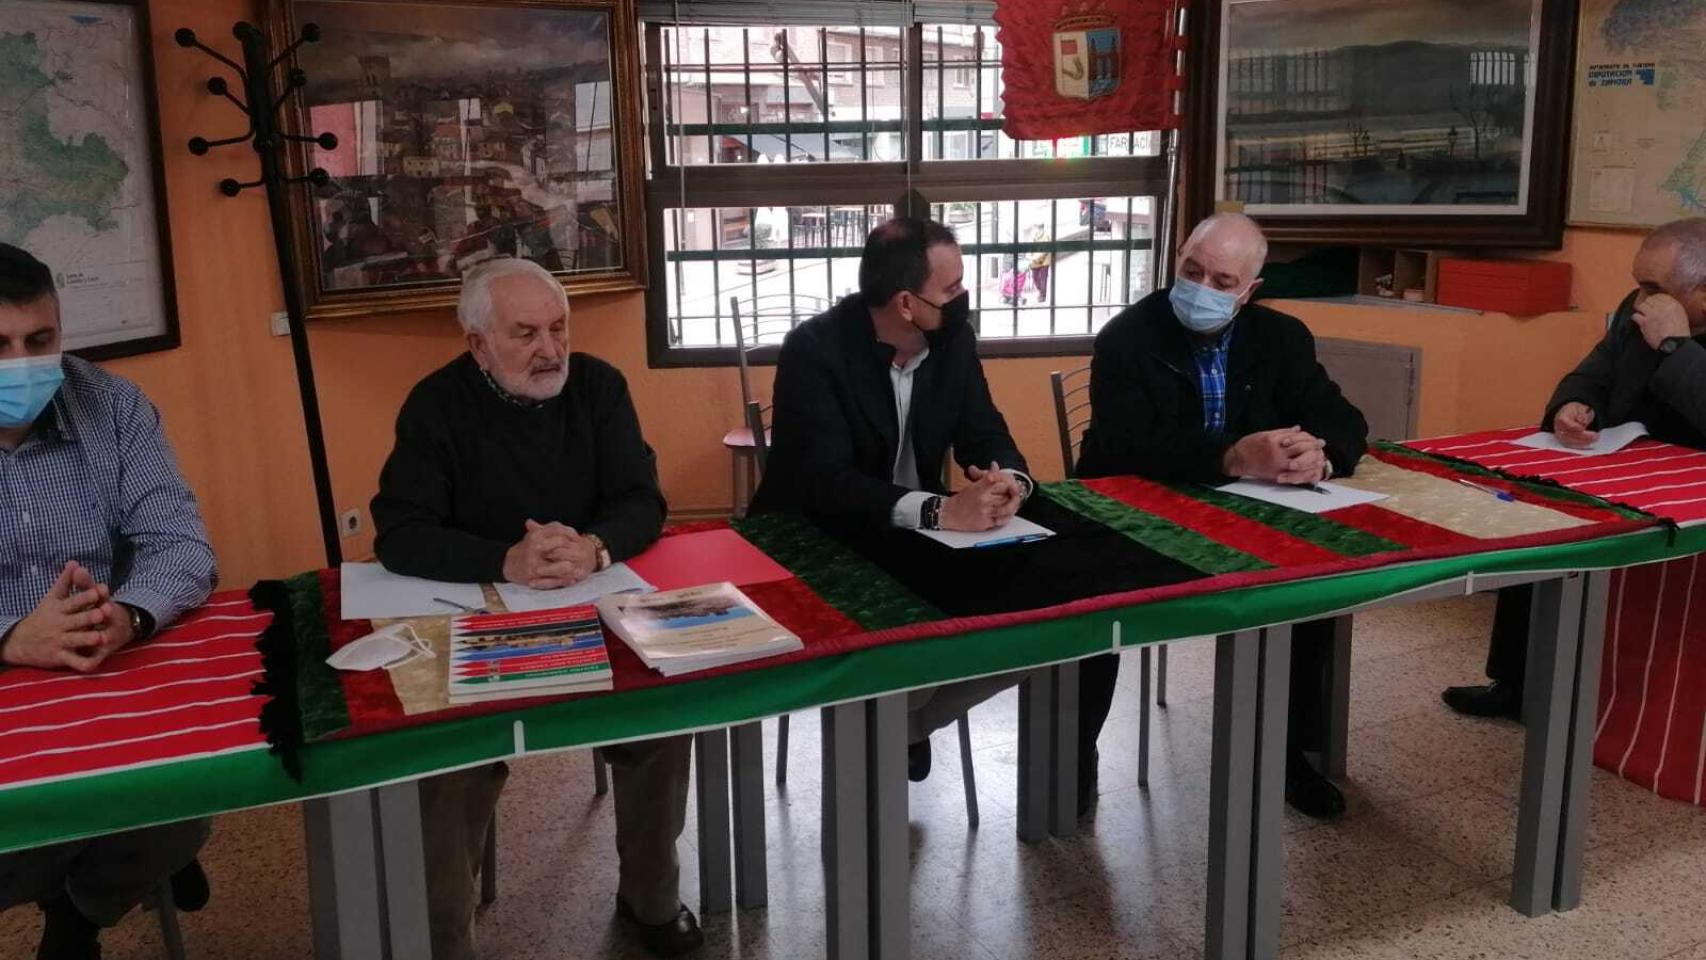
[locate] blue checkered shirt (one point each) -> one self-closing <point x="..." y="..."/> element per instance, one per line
<point x="1211" y="378"/>
<point x="95" y="481"/>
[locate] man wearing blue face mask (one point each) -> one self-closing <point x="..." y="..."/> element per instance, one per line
<point x="101" y="543"/>
<point x="1194" y="384"/>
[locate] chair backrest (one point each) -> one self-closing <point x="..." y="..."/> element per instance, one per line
<point x="1071" y="412"/>
<point x="761" y="322"/>
<point x="755" y="414"/>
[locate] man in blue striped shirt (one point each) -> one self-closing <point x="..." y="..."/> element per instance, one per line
<point x="101" y="543"/>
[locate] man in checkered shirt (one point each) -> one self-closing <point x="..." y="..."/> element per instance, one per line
<point x="101" y="544"/>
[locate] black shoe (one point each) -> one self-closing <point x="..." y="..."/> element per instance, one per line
<point x="1495" y="699"/>
<point x="190" y="891"/>
<point x="67" y="934"/>
<point x="1308" y="792"/>
<point x="918" y="760"/>
<point x="672" y="938"/>
<point x="1089" y="781"/>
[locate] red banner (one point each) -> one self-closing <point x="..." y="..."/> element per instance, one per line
<point x="1073" y="68"/>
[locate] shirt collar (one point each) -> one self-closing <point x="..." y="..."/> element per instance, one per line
<point x="913" y="364"/>
<point x="1219" y="343"/>
<point x="525" y="403"/>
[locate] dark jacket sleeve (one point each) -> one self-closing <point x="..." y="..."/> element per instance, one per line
<point x="1321" y="407"/>
<point x="631" y="506"/>
<point x="981" y="437"/>
<point x="1126" y="434"/>
<point x="819" y="471"/>
<point x="1591" y="382"/>
<point x="412" y="509"/>
<point x="1680" y="381"/>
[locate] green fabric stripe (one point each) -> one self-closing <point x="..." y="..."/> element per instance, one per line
<point x="1316" y="529"/>
<point x="318" y="688"/>
<point x="846" y="581"/>
<point x="1547" y="489"/>
<point x="1162" y="536"/>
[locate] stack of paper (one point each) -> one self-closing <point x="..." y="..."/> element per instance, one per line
<point x="616" y="578"/>
<point x="683" y="631"/>
<point x="1610" y="440"/>
<point x="542" y="653"/>
<point x="1311" y="498"/>
<point x="1015" y="531"/>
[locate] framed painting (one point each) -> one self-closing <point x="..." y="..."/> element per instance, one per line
<point x="81" y="186"/>
<point x="1417" y="122"/>
<point x="466" y="130"/>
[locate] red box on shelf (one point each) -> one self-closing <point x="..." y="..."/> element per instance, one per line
<point x="1521" y="288"/>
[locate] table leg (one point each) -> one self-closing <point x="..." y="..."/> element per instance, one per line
<point x="1036" y="694"/>
<point x="746" y="756"/>
<point x="403" y="868"/>
<point x="846" y="859"/>
<point x="1554" y="633"/>
<point x="711" y="786"/>
<point x="1143" y="660"/>
<point x="1231" y="791"/>
<point x="1063" y="750"/>
<point x="343" y="876"/>
<point x="889" y="843"/>
<point x="1267" y="852"/>
<point x="1335" y="751"/>
<point x="1578" y="770"/>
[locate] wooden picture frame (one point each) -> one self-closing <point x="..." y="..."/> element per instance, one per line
<point x="1536" y="219"/>
<point x="117" y="296"/>
<point x="434" y="171"/>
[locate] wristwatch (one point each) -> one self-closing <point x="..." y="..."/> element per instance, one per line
<point x="141" y="624"/>
<point x="930" y="514"/>
<point x="1669" y="345"/>
<point x="603" y="551"/>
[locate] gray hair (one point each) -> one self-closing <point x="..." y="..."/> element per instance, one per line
<point x="1226" y="220"/>
<point x="474" y="307"/>
<point x="1689" y="238"/>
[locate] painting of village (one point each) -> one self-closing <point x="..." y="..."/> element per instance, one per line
<point x="464" y="133"/>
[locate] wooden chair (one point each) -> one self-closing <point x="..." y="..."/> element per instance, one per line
<point x="761" y="324"/>
<point x="1072" y="413"/>
<point x="171" y="937"/>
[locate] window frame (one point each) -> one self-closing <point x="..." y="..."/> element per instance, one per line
<point x="879" y="183"/>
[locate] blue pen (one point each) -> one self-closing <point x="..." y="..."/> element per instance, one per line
<point x="1501" y="494"/>
<point x="1005" y="541"/>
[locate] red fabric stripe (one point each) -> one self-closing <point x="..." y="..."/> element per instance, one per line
<point x="148" y="751"/>
<point x="69" y="711"/>
<point x="62" y="685"/>
<point x="1521" y="492"/>
<point x="1409" y="531"/>
<point x="19" y="744"/>
<point x="1641" y="611"/>
<point x="1218" y="524"/>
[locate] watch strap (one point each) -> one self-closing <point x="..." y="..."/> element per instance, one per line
<point x="930" y="514"/>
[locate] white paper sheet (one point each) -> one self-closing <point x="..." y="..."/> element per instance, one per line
<point x="613" y="579"/>
<point x="1335" y="497"/>
<point x="1611" y="440"/>
<point x="370" y="592"/>
<point x="1016" y="530"/>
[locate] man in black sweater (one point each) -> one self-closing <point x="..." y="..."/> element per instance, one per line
<point x="869" y="398"/>
<point x="522" y="462"/>
<point x="1649" y="368"/>
<point x="1194" y="384"/>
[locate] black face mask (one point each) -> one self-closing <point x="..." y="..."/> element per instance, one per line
<point x="954" y="313"/>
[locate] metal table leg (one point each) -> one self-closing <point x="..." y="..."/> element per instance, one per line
<point x="403" y="868"/>
<point x="711" y="786"/>
<point x="1267" y="853"/>
<point x="1036" y="695"/>
<point x="846" y="859"/>
<point x="1063" y="750"/>
<point x="1231" y="792"/>
<point x="1578" y="769"/>
<point x="343" y="876"/>
<point x="1335" y="751"/>
<point x="889" y="841"/>
<point x="1549" y="688"/>
<point x="746" y="755"/>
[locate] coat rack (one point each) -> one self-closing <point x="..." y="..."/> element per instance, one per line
<point x="268" y="138"/>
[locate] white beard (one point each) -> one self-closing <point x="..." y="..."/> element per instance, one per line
<point x="530" y="387"/>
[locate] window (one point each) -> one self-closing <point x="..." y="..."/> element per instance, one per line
<point x="777" y="147"/>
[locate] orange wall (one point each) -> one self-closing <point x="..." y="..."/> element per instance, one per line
<point x="231" y="407"/>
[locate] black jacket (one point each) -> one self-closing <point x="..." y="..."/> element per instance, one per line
<point x="470" y="469"/>
<point x="835" y="434"/>
<point x="1623" y="379"/>
<point x="1146" y="401"/>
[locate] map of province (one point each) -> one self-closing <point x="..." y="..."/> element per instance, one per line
<point x="76" y="166"/>
<point x="1640" y="133"/>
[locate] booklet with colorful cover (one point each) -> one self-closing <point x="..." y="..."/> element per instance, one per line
<point x="681" y="631"/>
<point x="494" y="656"/>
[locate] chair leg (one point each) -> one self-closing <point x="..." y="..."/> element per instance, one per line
<point x="737" y="477"/>
<point x="1143" y="720"/>
<point x="782" y="750"/>
<point x="172" y="938"/>
<point x="489" y="865"/>
<point x="600" y="778"/>
<point x="1161" y="677"/>
<point x="966" y="772"/>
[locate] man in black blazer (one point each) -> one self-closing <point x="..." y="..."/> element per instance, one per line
<point x="870" y="395"/>
<point x="1650" y="368"/>
<point x="1195" y="384"/>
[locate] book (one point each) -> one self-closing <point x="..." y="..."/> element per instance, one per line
<point x="496" y="656"/>
<point x="697" y="628"/>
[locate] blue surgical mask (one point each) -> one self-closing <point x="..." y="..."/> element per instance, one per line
<point x="27" y="386"/>
<point x="1202" y="309"/>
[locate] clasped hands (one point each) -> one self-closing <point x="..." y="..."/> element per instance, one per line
<point x="76" y="626"/>
<point x="991" y="500"/>
<point x="1290" y="455"/>
<point x="549" y="556"/>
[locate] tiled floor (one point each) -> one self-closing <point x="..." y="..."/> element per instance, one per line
<point x="1418" y="869"/>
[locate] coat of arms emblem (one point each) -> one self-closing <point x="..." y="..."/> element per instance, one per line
<point x="1086" y="56"/>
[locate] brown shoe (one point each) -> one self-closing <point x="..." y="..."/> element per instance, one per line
<point x="672" y="938"/>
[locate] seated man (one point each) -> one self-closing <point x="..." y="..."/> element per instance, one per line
<point x="869" y="397"/>
<point x="1649" y="368"/>
<point x="522" y="462"/>
<point x="1193" y="384"/>
<point x="101" y="544"/>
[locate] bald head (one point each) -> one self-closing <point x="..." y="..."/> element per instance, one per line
<point x="1672" y="262"/>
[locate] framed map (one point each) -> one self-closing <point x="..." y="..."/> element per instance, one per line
<point x="80" y="178"/>
<point x="1640" y="137"/>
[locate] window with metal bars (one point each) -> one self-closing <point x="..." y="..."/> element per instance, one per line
<point x="775" y="148"/>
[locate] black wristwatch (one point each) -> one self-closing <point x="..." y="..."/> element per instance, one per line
<point x="1670" y="345"/>
<point x="141" y="624"/>
<point x="930" y="514"/>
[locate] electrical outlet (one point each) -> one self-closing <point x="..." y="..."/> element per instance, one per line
<point x="279" y="324"/>
<point x="349" y="522"/>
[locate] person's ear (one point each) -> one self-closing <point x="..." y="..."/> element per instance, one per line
<point x="477" y="347"/>
<point x="1255" y="285"/>
<point x="904" y="303"/>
